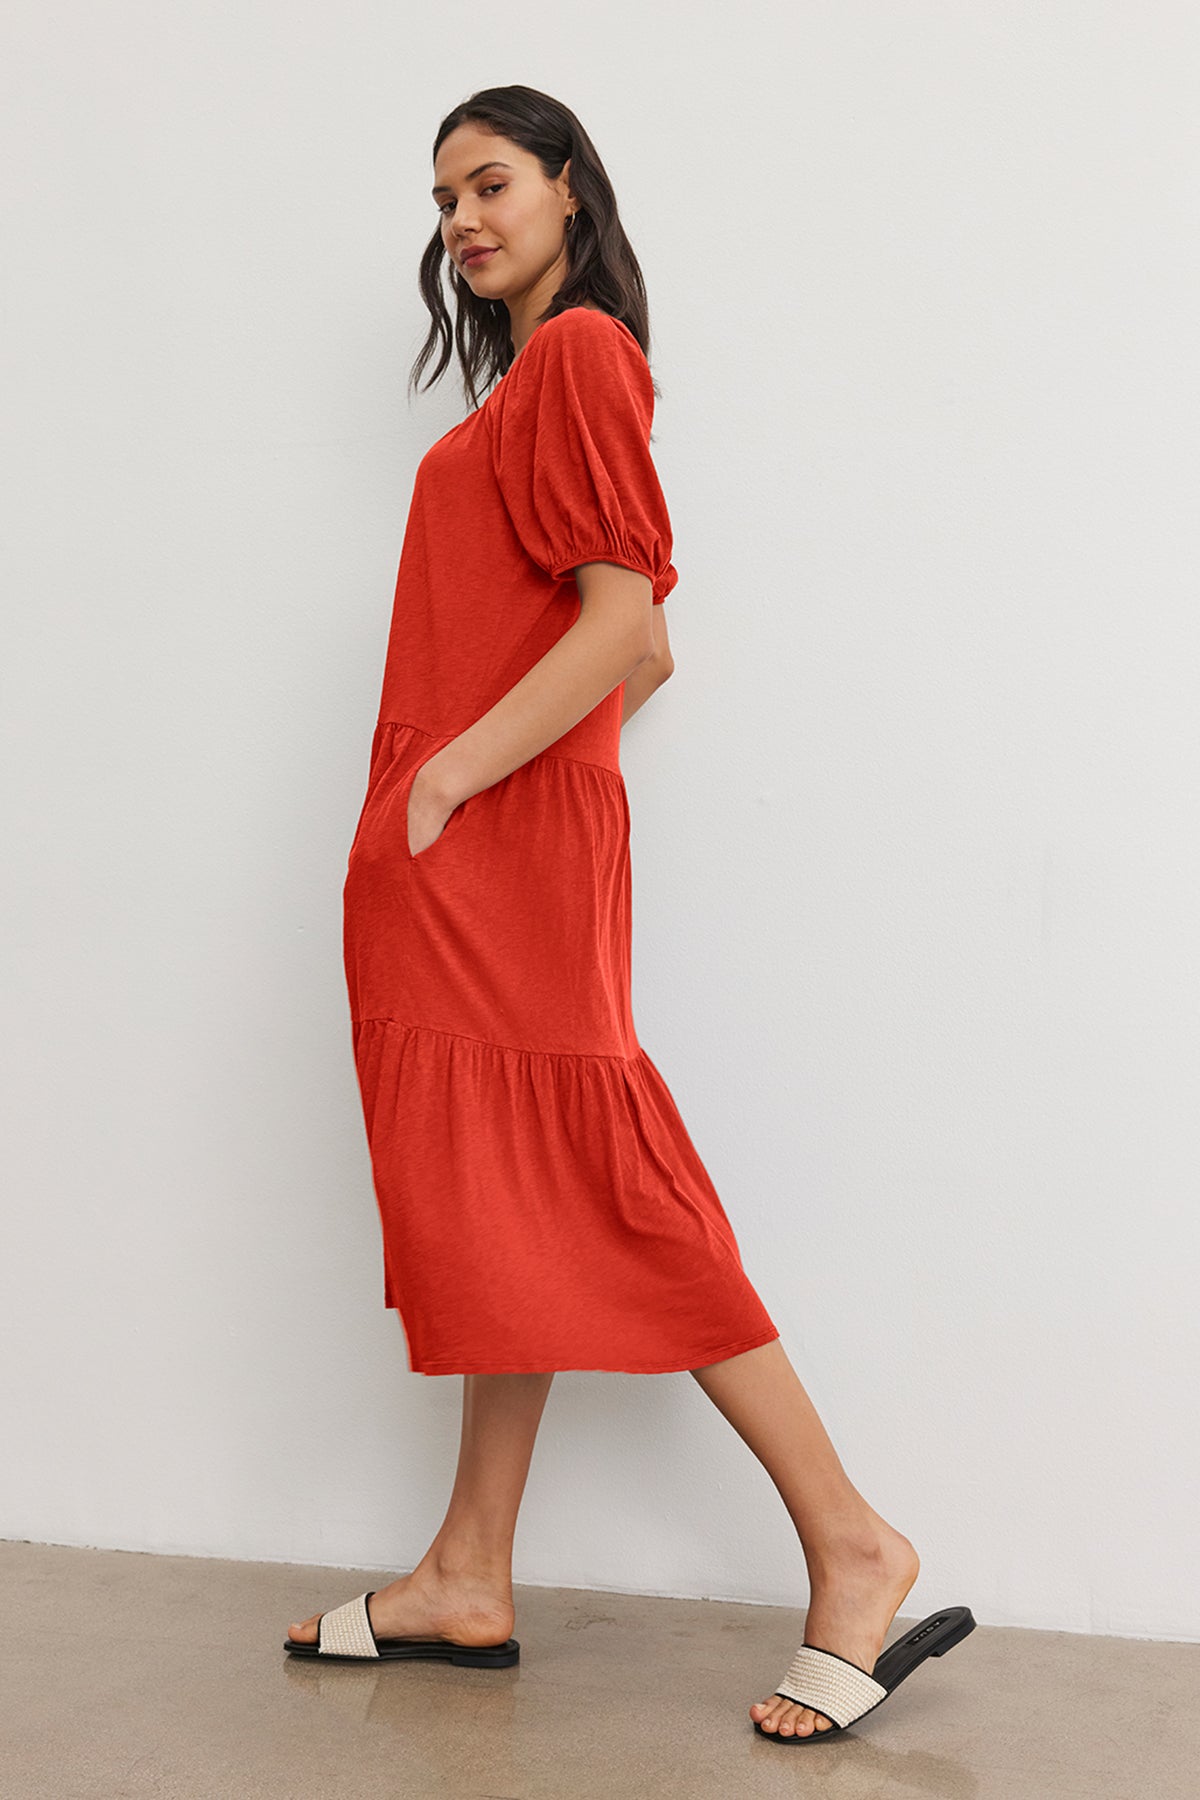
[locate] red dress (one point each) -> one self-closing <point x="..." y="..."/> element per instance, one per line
<point x="541" y="1202"/>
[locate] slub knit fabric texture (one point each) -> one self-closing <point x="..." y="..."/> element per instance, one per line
<point x="542" y="1204"/>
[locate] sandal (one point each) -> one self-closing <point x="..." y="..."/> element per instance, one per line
<point x="839" y="1690"/>
<point x="347" y="1635"/>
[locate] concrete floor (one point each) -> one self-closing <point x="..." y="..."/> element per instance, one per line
<point x="126" y="1674"/>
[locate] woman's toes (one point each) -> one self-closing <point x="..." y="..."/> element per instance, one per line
<point x="789" y="1720"/>
<point x="305" y="1631"/>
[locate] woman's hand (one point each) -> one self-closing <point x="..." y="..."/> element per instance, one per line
<point x="428" y="809"/>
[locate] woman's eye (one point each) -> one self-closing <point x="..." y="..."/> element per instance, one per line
<point x="497" y="187"/>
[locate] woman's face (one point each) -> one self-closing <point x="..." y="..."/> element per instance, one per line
<point x="493" y="195"/>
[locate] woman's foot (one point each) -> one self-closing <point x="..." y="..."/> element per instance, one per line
<point x="432" y="1602"/>
<point x="857" y="1590"/>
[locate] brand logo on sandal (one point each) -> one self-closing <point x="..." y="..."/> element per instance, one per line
<point x="925" y="1630"/>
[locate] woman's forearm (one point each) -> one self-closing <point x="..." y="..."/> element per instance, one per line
<point x="607" y="644"/>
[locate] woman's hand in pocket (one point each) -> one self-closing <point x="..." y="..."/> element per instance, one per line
<point x="429" y="810"/>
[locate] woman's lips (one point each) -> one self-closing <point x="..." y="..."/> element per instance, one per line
<point x="473" y="257"/>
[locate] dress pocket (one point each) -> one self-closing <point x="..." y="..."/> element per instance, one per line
<point x="403" y="793"/>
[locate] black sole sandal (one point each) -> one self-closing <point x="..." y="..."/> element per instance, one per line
<point x="347" y="1635"/>
<point x="839" y="1690"/>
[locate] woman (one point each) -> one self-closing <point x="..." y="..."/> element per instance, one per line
<point x="541" y="1202"/>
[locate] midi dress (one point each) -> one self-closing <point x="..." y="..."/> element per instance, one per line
<point x="542" y="1204"/>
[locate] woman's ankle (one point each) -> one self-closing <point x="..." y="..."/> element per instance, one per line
<point x="485" y="1563"/>
<point x="851" y="1536"/>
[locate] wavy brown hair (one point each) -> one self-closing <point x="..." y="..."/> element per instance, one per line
<point x="602" y="269"/>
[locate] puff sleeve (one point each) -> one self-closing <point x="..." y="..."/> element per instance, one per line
<point x="571" y="452"/>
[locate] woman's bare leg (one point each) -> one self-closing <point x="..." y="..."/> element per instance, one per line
<point x="462" y="1586"/>
<point x="859" y="1567"/>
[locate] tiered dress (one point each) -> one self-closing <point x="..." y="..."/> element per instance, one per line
<point x="542" y="1204"/>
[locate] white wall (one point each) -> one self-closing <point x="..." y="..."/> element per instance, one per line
<point x="916" y="866"/>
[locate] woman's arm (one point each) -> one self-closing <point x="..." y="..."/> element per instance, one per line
<point x="614" y="635"/>
<point x="649" y="674"/>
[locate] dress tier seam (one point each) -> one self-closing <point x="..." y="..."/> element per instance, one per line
<point x="541" y="755"/>
<point x="493" y="1044"/>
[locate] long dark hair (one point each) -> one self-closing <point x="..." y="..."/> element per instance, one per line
<point x="602" y="269"/>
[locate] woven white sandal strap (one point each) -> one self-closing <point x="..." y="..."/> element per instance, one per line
<point x="830" y="1685"/>
<point x="346" y="1631"/>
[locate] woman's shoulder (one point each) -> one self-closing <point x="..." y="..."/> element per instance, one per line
<point x="583" y="354"/>
<point x="585" y="325"/>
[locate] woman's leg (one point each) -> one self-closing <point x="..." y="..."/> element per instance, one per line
<point x="462" y="1586"/>
<point x="859" y="1567"/>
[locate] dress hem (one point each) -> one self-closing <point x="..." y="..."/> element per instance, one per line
<point x="700" y="1360"/>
